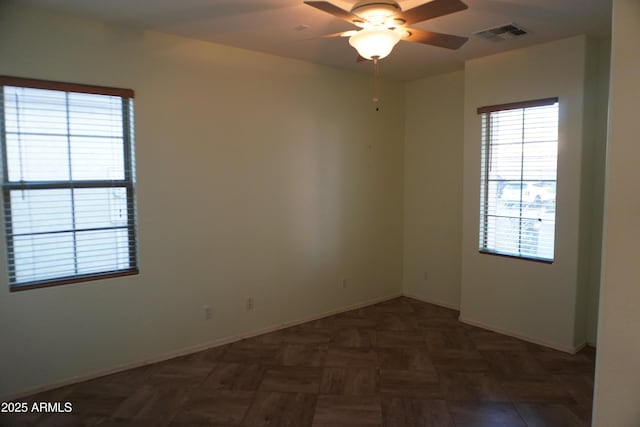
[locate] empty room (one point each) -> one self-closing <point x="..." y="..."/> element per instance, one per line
<point x="319" y="213"/>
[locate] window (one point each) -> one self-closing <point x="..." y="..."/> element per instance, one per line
<point x="68" y="182"/>
<point x="518" y="183"/>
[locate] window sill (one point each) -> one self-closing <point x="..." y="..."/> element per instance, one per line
<point x="521" y="257"/>
<point x="74" y="279"/>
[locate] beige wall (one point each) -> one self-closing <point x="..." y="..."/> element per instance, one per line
<point x="533" y="300"/>
<point x="434" y="137"/>
<point x="597" y="103"/>
<point x="617" y="394"/>
<point x="258" y="177"/>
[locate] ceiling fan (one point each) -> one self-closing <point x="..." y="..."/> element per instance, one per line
<point x="383" y="24"/>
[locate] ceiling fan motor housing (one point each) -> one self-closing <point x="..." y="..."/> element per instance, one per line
<point x="376" y="12"/>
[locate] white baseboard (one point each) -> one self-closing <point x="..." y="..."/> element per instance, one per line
<point x="193" y="349"/>
<point x="559" y="347"/>
<point x="579" y="348"/>
<point x="434" y="302"/>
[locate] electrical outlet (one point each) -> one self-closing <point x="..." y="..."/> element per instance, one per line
<point x="425" y="275"/>
<point x="207" y="312"/>
<point x="344" y="283"/>
<point x="249" y="304"/>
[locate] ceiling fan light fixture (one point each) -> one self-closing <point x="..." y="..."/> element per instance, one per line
<point x="374" y="42"/>
<point x="376" y="12"/>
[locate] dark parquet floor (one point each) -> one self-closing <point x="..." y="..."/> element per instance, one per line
<point x="394" y="364"/>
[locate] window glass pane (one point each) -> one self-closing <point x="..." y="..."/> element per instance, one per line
<point x="540" y="160"/>
<point x="95" y="115"/>
<point x="38" y="211"/>
<point x="35" y="111"/>
<point x="506" y="162"/>
<point x="100" y="207"/>
<point x="541" y="124"/>
<point x="55" y="141"/>
<point x="37" y="157"/>
<point x="506" y="127"/>
<point x="546" y="235"/>
<point x="492" y="189"/>
<point x="43" y="257"/>
<point x="503" y="234"/>
<point x="97" y="158"/>
<point x="519" y="168"/>
<point x="105" y="250"/>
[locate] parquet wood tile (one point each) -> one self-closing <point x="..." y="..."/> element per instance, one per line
<point x="451" y="339"/>
<point x="303" y="355"/>
<point x="325" y="323"/>
<point x="396" y="322"/>
<point x="472" y="386"/>
<point x="100" y="399"/>
<point x="399" y="305"/>
<point x="135" y="377"/>
<point x="273" y="409"/>
<point x="266" y="354"/>
<point x="355" y="322"/>
<point x="401" y="363"/>
<point x="307" y="336"/>
<point x="235" y="376"/>
<point x="350" y="381"/>
<point x="579" y="386"/>
<point x="215" y="407"/>
<point x="296" y="379"/>
<point x="537" y="390"/>
<point x="424" y="324"/>
<point x="562" y="363"/>
<point x="399" y="339"/>
<point x="410" y="384"/>
<point x="354" y="337"/>
<point x="493" y="414"/>
<point x="154" y="405"/>
<point x="345" y="356"/>
<point x="552" y="415"/>
<point x="211" y="355"/>
<point x="431" y="311"/>
<point x="348" y="411"/>
<point x="459" y="361"/>
<point x="515" y="364"/>
<point x="414" y="358"/>
<point x="116" y="423"/>
<point x="181" y="373"/>
<point x="399" y="412"/>
<point x="488" y="340"/>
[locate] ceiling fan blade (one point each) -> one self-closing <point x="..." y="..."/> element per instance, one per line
<point x="340" y="34"/>
<point x="447" y="41"/>
<point x="334" y="10"/>
<point x="432" y="9"/>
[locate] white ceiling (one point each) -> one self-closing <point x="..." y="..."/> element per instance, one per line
<point x="273" y="26"/>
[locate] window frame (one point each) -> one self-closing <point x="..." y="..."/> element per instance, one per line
<point x="128" y="182"/>
<point x="484" y="177"/>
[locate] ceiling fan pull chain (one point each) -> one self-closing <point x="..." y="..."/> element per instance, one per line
<point x="376" y="80"/>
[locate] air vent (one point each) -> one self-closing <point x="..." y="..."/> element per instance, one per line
<point x="504" y="32"/>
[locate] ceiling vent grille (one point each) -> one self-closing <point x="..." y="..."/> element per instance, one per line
<point x="504" y="32"/>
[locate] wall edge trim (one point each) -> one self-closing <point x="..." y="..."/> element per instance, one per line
<point x="559" y="347"/>
<point x="432" y="301"/>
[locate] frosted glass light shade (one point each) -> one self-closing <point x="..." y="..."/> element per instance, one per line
<point x="374" y="42"/>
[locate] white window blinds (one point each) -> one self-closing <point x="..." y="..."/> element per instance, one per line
<point x="518" y="179"/>
<point x="68" y="182"/>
